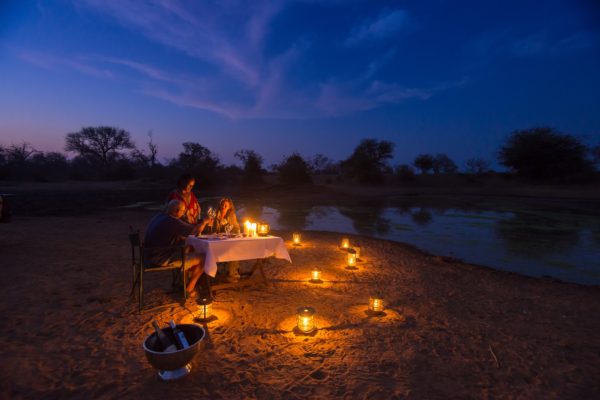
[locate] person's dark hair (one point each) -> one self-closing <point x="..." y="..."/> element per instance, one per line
<point x="183" y="180"/>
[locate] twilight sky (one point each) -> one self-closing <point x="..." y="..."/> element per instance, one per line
<point x="308" y="76"/>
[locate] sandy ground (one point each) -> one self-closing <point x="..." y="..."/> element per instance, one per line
<point x="450" y="330"/>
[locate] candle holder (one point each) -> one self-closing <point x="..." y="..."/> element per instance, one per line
<point x="376" y="305"/>
<point x="263" y="229"/>
<point x="315" y="276"/>
<point x="306" y="320"/>
<point x="345" y="245"/>
<point x="351" y="260"/>
<point x="296" y="239"/>
<point x="205" y="311"/>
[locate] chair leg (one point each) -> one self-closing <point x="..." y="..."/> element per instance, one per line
<point x="141" y="290"/>
<point x="183" y="274"/>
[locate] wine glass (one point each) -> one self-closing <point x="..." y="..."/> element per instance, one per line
<point x="211" y="213"/>
<point x="228" y="228"/>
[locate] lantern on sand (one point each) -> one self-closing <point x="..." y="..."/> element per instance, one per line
<point x="296" y="239"/>
<point x="345" y="245"/>
<point x="376" y="304"/>
<point x="204" y="309"/>
<point x="351" y="264"/>
<point x="315" y="276"/>
<point x="306" y="319"/>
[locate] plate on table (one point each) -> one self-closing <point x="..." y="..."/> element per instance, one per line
<point x="211" y="237"/>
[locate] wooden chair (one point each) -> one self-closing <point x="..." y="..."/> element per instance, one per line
<point x="139" y="266"/>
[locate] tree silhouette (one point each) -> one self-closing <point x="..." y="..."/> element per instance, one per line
<point x="18" y="154"/>
<point x="195" y="155"/>
<point x="477" y="166"/>
<point x="543" y="153"/>
<point x="102" y="143"/>
<point x="404" y="173"/>
<point x="199" y="161"/>
<point x="322" y="164"/>
<point x="368" y="162"/>
<point x="443" y="163"/>
<point x="253" y="171"/>
<point x="294" y="169"/>
<point x="150" y="158"/>
<point x="424" y="162"/>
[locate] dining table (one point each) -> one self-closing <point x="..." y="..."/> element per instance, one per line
<point x="222" y="248"/>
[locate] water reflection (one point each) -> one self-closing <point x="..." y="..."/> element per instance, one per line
<point x="422" y="217"/>
<point x="367" y="217"/>
<point x="532" y="240"/>
<point x="534" y="235"/>
<point x="294" y="219"/>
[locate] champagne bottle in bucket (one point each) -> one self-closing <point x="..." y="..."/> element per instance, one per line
<point x="180" y="339"/>
<point x="165" y="344"/>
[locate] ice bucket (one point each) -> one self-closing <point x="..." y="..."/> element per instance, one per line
<point x="176" y="364"/>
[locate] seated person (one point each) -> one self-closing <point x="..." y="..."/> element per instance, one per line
<point x="226" y="217"/>
<point x="227" y="220"/>
<point x="184" y="193"/>
<point x="165" y="232"/>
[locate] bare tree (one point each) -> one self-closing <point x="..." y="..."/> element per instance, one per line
<point x="101" y="143"/>
<point x="19" y="153"/>
<point x="152" y="149"/>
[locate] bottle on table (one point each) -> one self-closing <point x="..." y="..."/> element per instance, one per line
<point x="166" y="345"/>
<point x="180" y="339"/>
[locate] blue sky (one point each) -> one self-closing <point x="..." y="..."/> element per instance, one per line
<point x="308" y="76"/>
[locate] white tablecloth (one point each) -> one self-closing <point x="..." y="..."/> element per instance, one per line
<point x="237" y="249"/>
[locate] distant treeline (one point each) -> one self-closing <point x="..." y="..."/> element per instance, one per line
<point x="108" y="153"/>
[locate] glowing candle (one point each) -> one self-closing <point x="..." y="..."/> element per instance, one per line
<point x="263" y="229"/>
<point x="315" y="275"/>
<point x="345" y="243"/>
<point x="205" y="309"/>
<point x="296" y="239"/>
<point x="306" y="319"/>
<point x="376" y="304"/>
<point x="351" y="259"/>
<point x="253" y="229"/>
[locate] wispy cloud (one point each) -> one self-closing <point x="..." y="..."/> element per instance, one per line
<point x="52" y="62"/>
<point x="233" y="74"/>
<point x="343" y="98"/>
<point x="387" y="24"/>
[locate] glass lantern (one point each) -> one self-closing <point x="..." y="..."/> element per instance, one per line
<point x="315" y="276"/>
<point x="306" y="319"/>
<point x="376" y="304"/>
<point x="263" y="229"/>
<point x="296" y="239"/>
<point x="351" y="264"/>
<point x="345" y="245"/>
<point x="204" y="309"/>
